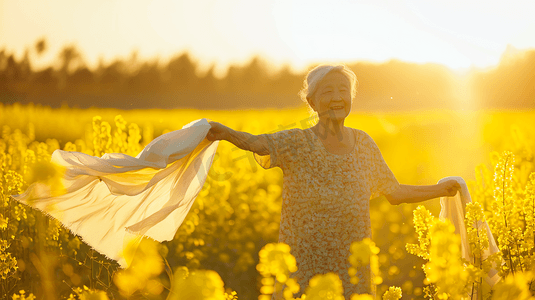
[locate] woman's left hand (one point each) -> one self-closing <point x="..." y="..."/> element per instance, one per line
<point x="450" y="188"/>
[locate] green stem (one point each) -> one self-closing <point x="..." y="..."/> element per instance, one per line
<point x="505" y="214"/>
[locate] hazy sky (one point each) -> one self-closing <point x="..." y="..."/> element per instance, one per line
<point x="458" y="34"/>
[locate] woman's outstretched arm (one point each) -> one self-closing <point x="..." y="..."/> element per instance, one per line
<point x="243" y="140"/>
<point x="418" y="193"/>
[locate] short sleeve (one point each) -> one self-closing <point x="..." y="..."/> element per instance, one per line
<point x="281" y="146"/>
<point x="381" y="180"/>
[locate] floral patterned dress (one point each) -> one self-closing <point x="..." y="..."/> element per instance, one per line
<point x="325" y="201"/>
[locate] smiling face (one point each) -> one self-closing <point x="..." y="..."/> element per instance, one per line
<point x="332" y="99"/>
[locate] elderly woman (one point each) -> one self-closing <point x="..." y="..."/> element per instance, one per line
<point x="330" y="174"/>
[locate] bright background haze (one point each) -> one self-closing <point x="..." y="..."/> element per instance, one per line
<point x="457" y="34"/>
<point x="408" y="55"/>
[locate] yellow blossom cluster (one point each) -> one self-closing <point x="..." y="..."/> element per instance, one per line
<point x="22" y="296"/>
<point x="145" y="264"/>
<point x="325" y="286"/>
<point x="85" y="293"/>
<point x="509" y="211"/>
<point x="515" y="287"/>
<point x="364" y="253"/>
<point x="275" y="265"/>
<point x="393" y="293"/>
<point x="238" y="211"/>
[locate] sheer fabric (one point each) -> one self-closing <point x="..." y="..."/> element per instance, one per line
<point x="453" y="209"/>
<point x="112" y="200"/>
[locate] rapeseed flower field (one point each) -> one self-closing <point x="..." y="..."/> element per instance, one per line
<point x="227" y="246"/>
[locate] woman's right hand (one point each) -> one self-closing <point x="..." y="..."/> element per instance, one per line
<point x="217" y="132"/>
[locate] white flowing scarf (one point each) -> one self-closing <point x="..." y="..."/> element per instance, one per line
<point x="453" y="209"/>
<point x="112" y="200"/>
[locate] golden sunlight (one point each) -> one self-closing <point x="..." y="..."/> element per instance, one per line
<point x="284" y="181"/>
<point x="457" y="34"/>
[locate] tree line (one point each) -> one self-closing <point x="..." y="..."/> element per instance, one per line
<point x="132" y="83"/>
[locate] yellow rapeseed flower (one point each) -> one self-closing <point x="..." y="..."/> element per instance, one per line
<point x="364" y="253"/>
<point x="514" y="287"/>
<point x="276" y="260"/>
<point x="145" y="264"/>
<point x="94" y="295"/>
<point x="325" y="286"/>
<point x="445" y="268"/>
<point x="422" y="219"/>
<point x="393" y="293"/>
<point x="199" y="285"/>
<point x="362" y="297"/>
<point x="22" y="296"/>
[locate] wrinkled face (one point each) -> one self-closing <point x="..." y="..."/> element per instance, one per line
<point x="332" y="99"/>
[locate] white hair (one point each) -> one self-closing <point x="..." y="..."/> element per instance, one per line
<point x="315" y="76"/>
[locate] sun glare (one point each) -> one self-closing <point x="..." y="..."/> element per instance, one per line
<point x="457" y="34"/>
